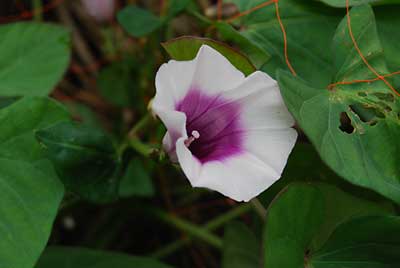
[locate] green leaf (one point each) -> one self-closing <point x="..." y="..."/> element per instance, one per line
<point x="117" y="83"/>
<point x="138" y="22"/>
<point x="365" y="152"/>
<point x="342" y="3"/>
<point x="84" y="158"/>
<point x="387" y="21"/>
<point x="363" y="242"/>
<point x="186" y="48"/>
<point x="176" y="6"/>
<point x="257" y="56"/>
<point x="64" y="257"/>
<point x="136" y="181"/>
<point x="30" y="190"/>
<point x="241" y="248"/>
<point x="33" y="58"/>
<point x="303" y="217"/>
<point x="309" y="28"/>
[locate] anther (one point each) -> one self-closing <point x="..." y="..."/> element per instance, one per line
<point x="195" y="136"/>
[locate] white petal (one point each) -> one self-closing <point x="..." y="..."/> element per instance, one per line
<point x="261" y="103"/>
<point x="214" y="73"/>
<point x="272" y="146"/>
<point x="209" y="71"/>
<point x="173" y="81"/>
<point x="240" y="178"/>
<point x="189" y="164"/>
<point x="175" y="122"/>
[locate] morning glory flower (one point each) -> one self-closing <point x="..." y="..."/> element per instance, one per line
<point x="101" y="10"/>
<point x="229" y="133"/>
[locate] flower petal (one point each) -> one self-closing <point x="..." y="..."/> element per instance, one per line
<point x="261" y="102"/>
<point x="214" y="73"/>
<point x="189" y="164"/>
<point x="175" y="123"/>
<point x="173" y="81"/>
<point x="272" y="146"/>
<point x="240" y="178"/>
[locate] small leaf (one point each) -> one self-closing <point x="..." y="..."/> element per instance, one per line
<point x="186" y="48"/>
<point x="64" y="257"/>
<point x="84" y="158"/>
<point x="33" y="58"/>
<point x="138" y="22"/>
<point x="136" y="181"/>
<point x="241" y="248"/>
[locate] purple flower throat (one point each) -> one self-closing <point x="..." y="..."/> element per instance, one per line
<point x="213" y="126"/>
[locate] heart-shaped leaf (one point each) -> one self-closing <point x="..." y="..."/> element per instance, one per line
<point x="356" y="125"/>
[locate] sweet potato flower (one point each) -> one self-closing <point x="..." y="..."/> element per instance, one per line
<point x="229" y="133"/>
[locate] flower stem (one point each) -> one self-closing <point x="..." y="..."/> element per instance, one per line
<point x="190" y="228"/>
<point x="259" y="208"/>
<point x="133" y="141"/>
<point x="210" y="226"/>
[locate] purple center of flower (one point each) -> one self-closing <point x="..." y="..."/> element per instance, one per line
<point x="213" y="126"/>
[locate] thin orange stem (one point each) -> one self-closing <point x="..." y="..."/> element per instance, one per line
<point x="285" y="44"/>
<point x="330" y="86"/>
<point x="251" y="10"/>
<point x="372" y="69"/>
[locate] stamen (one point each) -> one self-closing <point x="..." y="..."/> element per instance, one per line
<point x="195" y="136"/>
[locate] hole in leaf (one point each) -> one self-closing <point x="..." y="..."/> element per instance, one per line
<point x="366" y="114"/>
<point x="345" y="123"/>
<point x="386" y="107"/>
<point x="362" y="94"/>
<point x="384" y="96"/>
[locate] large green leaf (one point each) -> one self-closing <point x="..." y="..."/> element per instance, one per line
<point x="64" y="257"/>
<point x="309" y="27"/>
<point x="84" y="158"/>
<point x="30" y="190"/>
<point x="342" y="3"/>
<point x="366" y="152"/>
<point x="33" y="58"/>
<point x="365" y="242"/>
<point x="241" y="247"/>
<point x="303" y="217"/>
<point x="186" y="48"/>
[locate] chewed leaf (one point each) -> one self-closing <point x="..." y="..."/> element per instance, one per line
<point x="186" y="48"/>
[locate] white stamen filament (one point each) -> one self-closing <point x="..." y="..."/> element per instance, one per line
<point x="195" y="136"/>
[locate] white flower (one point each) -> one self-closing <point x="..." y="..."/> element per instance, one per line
<point x="101" y="10"/>
<point x="229" y="133"/>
